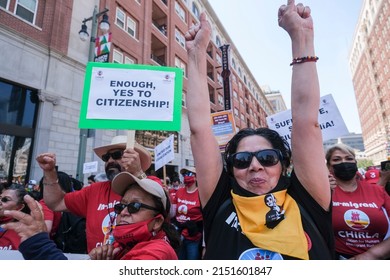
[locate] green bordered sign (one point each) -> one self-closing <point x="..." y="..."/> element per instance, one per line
<point x="131" y="96"/>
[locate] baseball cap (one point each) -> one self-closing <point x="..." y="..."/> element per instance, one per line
<point x="119" y="142"/>
<point x="372" y="176"/>
<point x="123" y="180"/>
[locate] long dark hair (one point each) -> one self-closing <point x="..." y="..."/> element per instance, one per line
<point x="167" y="227"/>
<point x="273" y="138"/>
<point x="64" y="181"/>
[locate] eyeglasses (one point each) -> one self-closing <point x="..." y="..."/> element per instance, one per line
<point x="267" y="158"/>
<point x="5" y="199"/>
<point x="132" y="207"/>
<point x="188" y="173"/>
<point x="115" y="156"/>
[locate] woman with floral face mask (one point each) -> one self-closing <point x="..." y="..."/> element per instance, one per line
<point x="360" y="210"/>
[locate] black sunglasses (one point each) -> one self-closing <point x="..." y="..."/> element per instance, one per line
<point x="115" y="155"/>
<point x="5" y="199"/>
<point x="188" y="173"/>
<point x="267" y="158"/>
<point x="132" y="207"/>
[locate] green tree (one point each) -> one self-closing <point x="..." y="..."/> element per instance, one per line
<point x="364" y="163"/>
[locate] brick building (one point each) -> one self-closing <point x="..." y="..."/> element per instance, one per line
<point x="42" y="75"/>
<point x="370" y="67"/>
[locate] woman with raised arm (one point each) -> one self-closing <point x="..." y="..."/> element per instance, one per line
<point x="241" y="219"/>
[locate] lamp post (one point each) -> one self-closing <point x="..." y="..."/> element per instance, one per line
<point x="83" y="33"/>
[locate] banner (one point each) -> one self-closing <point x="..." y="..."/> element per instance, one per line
<point x="164" y="153"/>
<point x="329" y="118"/>
<point x="223" y="127"/>
<point x="225" y="76"/>
<point x="102" y="48"/>
<point x="131" y="96"/>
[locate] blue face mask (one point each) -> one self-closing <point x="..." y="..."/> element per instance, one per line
<point x="345" y="171"/>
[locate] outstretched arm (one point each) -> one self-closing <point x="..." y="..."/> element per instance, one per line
<point x="52" y="192"/>
<point x="208" y="160"/>
<point x="306" y="138"/>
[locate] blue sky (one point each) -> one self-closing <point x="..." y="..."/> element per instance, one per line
<point x="252" y="25"/>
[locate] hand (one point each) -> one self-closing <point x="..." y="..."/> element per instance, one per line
<point x="47" y="161"/>
<point x="27" y="225"/>
<point x="104" y="252"/>
<point x="131" y="162"/>
<point x="294" y="18"/>
<point x="198" y="36"/>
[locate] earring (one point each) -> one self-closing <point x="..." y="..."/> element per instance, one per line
<point x="154" y="233"/>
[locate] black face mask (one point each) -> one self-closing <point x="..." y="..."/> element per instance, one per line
<point x="345" y="171"/>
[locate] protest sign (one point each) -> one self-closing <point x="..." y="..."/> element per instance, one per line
<point x="90" y="167"/>
<point x="329" y="118"/>
<point x="131" y="96"/>
<point x="164" y="153"/>
<point x="223" y="127"/>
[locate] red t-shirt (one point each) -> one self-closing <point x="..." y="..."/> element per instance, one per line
<point x="9" y="239"/>
<point x="188" y="209"/>
<point x="96" y="204"/>
<point x="360" y="218"/>
<point x="50" y="215"/>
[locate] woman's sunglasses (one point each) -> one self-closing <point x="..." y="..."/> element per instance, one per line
<point x="132" y="207"/>
<point x="188" y="173"/>
<point x="267" y="158"/>
<point x="5" y="199"/>
<point x="115" y="156"/>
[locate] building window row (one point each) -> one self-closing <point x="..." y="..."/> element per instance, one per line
<point x="25" y="9"/>
<point x="126" y="22"/>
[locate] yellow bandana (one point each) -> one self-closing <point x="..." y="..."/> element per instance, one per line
<point x="272" y="222"/>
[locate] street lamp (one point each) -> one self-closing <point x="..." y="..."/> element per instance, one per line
<point x="83" y="33"/>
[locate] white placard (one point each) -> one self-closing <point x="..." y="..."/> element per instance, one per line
<point x="117" y="94"/>
<point x="164" y="153"/>
<point x="331" y="122"/>
<point x="90" y="167"/>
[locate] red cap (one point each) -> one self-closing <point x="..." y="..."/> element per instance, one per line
<point x="372" y="176"/>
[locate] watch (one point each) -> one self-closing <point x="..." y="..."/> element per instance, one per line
<point x="142" y="176"/>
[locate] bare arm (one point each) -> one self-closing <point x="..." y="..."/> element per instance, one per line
<point x="380" y="251"/>
<point x="306" y="138"/>
<point x="208" y="160"/>
<point x="52" y="192"/>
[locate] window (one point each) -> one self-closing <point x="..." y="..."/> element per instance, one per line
<point x="4" y="3"/>
<point x="117" y="57"/>
<point x="26" y="9"/>
<point x="236" y="112"/>
<point x="120" y="18"/>
<point x="131" y="27"/>
<point x="219" y="59"/>
<point x="220" y="99"/>
<point x="235" y="95"/>
<point x="129" y="60"/>
<point x="220" y="79"/>
<point x="218" y="41"/>
<point x="180" y="64"/>
<point x="195" y="10"/>
<point x="179" y="37"/>
<point x="180" y="11"/>
<point x="183" y="102"/>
